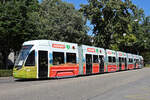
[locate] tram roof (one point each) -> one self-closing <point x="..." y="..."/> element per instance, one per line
<point x="44" y="42"/>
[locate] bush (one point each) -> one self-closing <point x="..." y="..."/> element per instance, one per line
<point x="147" y="65"/>
<point x="5" y="73"/>
<point x="146" y="56"/>
<point x="1" y="62"/>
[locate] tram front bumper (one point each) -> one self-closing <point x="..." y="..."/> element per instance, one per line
<point x="19" y="73"/>
<point x="25" y="73"/>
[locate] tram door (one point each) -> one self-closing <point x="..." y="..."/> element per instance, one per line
<point x="120" y="63"/>
<point x="101" y="64"/>
<point x="134" y="63"/>
<point x="43" y="64"/>
<point x="88" y="64"/>
<point x="125" y="63"/>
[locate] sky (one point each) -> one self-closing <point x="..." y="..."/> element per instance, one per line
<point x="144" y="4"/>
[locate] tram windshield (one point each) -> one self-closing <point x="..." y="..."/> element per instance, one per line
<point x="23" y="55"/>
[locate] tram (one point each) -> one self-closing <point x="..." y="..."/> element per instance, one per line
<point x="54" y="59"/>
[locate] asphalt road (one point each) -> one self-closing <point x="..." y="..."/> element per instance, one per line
<point x="126" y="85"/>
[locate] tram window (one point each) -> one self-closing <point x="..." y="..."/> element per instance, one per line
<point x="95" y="58"/>
<point x="71" y="57"/>
<point x="125" y="59"/>
<point x="101" y="58"/>
<point x="109" y="59"/>
<point x="119" y="59"/>
<point x="114" y="59"/>
<point x="122" y="59"/>
<point x="58" y="58"/>
<point x="31" y="59"/>
<point x="131" y="60"/>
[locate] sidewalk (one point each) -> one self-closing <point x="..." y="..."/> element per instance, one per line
<point x="4" y="78"/>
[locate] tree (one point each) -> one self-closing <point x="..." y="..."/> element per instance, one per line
<point x="61" y="21"/>
<point x="143" y="35"/>
<point x="143" y="42"/>
<point x="111" y="20"/>
<point x="16" y="24"/>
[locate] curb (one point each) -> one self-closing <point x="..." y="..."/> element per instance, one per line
<point x="3" y="78"/>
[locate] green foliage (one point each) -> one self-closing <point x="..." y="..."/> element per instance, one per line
<point x="147" y="65"/>
<point x="143" y="42"/>
<point x="5" y="73"/>
<point x="1" y="60"/>
<point x="118" y="25"/>
<point x="17" y="24"/>
<point x="61" y="21"/>
<point x="146" y="55"/>
<point x="109" y="18"/>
